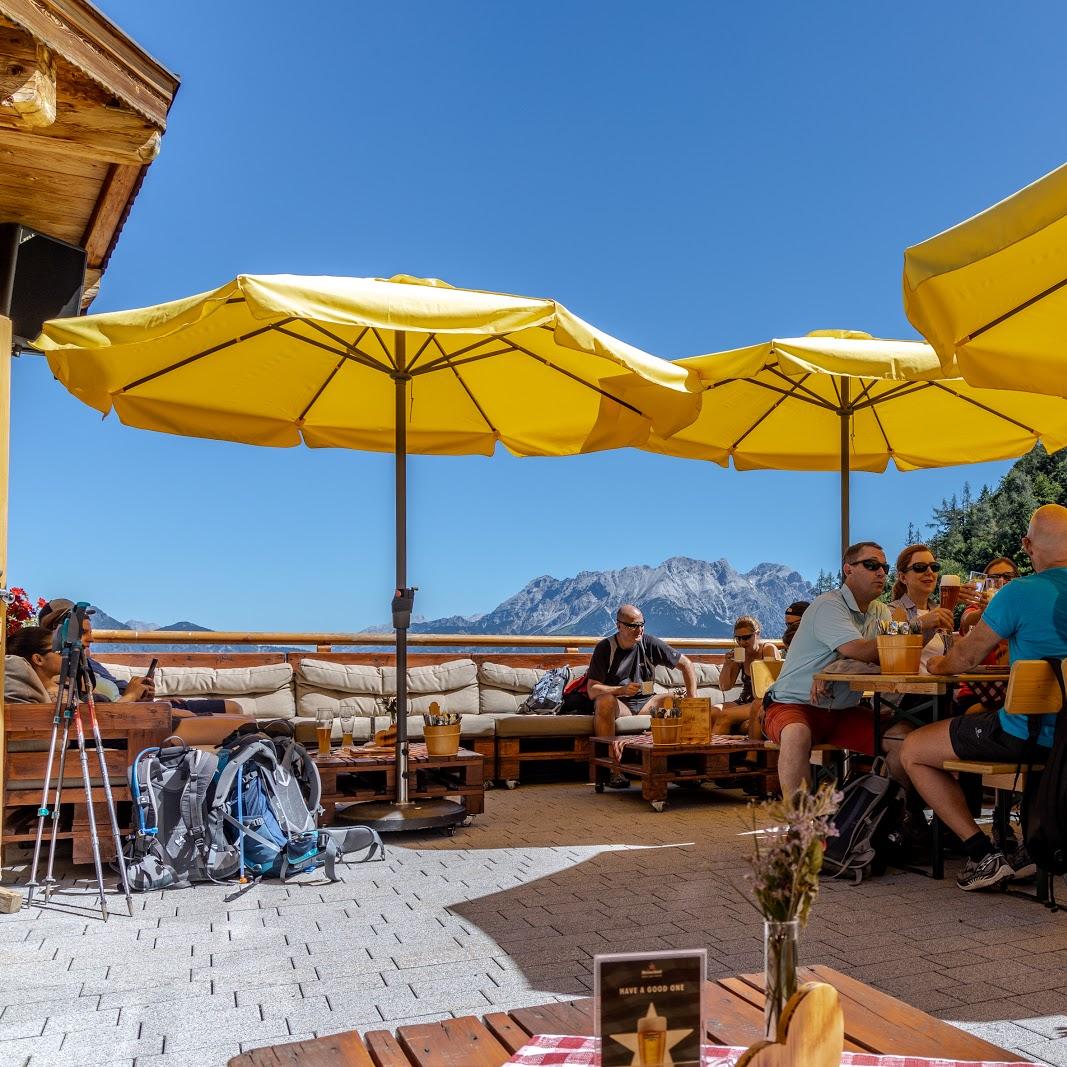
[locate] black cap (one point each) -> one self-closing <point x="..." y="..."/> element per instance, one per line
<point x="798" y="607"/>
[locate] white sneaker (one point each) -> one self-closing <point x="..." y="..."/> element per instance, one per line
<point x="987" y="873"/>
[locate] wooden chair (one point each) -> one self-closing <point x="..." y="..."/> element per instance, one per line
<point x="1032" y="690"/>
<point x="764" y="674"/>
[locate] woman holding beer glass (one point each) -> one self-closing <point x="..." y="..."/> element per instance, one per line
<point x="917" y="574"/>
<point x="998" y="572"/>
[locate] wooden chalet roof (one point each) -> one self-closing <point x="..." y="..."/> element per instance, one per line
<point x="82" y="111"/>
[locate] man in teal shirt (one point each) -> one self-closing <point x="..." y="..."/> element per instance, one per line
<point x="1031" y="615"/>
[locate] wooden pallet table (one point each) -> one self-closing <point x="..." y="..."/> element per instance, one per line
<point x="733" y="1012"/>
<point x="356" y="775"/>
<point x="657" y="766"/>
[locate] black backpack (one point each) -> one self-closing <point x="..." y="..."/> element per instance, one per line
<point x="871" y="807"/>
<point x="546" y="697"/>
<point x="1044" y="809"/>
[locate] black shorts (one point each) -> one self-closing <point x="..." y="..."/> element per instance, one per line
<point x="982" y="737"/>
<point x="200" y="705"/>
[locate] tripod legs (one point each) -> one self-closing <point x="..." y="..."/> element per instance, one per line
<point x="110" y="801"/>
<point x="93" y="837"/>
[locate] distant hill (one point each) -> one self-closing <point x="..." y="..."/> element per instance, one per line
<point x="680" y="597"/>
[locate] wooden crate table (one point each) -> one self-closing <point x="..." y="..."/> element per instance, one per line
<point x="656" y="766"/>
<point x="733" y="1014"/>
<point x="354" y="775"/>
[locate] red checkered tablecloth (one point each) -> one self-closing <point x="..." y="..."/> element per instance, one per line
<point x="554" y="1050"/>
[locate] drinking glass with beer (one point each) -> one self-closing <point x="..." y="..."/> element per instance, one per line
<point x="950" y="591"/>
<point x="651" y="1040"/>
<point x="324" y="729"/>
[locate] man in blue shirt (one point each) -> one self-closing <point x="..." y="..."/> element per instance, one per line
<point x="1031" y="615"/>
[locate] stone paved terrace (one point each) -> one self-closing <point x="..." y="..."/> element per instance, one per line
<point x="506" y="913"/>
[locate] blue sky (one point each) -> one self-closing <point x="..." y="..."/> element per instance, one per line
<point x="687" y="176"/>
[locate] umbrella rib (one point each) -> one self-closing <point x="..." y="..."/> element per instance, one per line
<point x="321" y="389"/>
<point x="199" y="355"/>
<point x="481" y="410"/>
<point x="439" y="364"/>
<point x="445" y="357"/>
<point x="1008" y="314"/>
<point x="390" y="356"/>
<point x="431" y="338"/>
<point x="806" y="395"/>
<point x="774" y="407"/>
<point x="574" y="377"/>
<point x="905" y="389"/>
<point x="986" y="408"/>
<point x="794" y="384"/>
<point x="347" y="346"/>
<point x="350" y="352"/>
<point x="881" y="429"/>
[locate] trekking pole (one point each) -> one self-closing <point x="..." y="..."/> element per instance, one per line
<point x="108" y="797"/>
<point x="43" y="810"/>
<point x="241" y="879"/>
<point x="94" y="839"/>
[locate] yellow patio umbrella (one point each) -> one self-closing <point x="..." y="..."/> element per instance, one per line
<point x="991" y="293"/>
<point x="843" y="400"/>
<point x="401" y="365"/>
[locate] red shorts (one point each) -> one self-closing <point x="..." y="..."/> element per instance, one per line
<point x="851" y="728"/>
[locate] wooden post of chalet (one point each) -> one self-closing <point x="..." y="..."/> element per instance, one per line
<point x="82" y="111"/>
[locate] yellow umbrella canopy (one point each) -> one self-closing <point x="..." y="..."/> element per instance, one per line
<point x="279" y="359"/>
<point x="402" y="365"/>
<point x="991" y="293"/>
<point x="843" y="400"/>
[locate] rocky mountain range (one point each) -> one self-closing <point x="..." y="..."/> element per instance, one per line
<point x="680" y="597"/>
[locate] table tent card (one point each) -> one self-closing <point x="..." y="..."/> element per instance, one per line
<point x="648" y="1008"/>
<point x="695" y="720"/>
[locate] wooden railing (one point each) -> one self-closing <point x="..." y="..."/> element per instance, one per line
<point x="325" y="641"/>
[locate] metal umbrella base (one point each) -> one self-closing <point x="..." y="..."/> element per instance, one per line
<point x="388" y="817"/>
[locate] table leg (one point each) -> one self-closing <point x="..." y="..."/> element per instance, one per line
<point x="654" y="779"/>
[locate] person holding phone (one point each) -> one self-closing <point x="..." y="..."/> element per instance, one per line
<point x="737" y="671"/>
<point x="109" y="690"/>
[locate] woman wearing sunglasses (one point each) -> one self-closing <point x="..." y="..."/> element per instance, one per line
<point x="998" y="572"/>
<point x="737" y="670"/>
<point x="917" y="574"/>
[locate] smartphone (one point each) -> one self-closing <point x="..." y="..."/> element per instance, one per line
<point x="150" y="673"/>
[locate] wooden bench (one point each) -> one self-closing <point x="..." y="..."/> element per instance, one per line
<point x="126" y="730"/>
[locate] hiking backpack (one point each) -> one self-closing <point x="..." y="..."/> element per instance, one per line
<point x="252" y="808"/>
<point x="169" y="787"/>
<point x="546" y="697"/>
<point x="871" y="806"/>
<point x="1044" y="808"/>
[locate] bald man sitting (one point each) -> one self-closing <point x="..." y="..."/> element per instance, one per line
<point x="1031" y="615"/>
<point x="621" y="672"/>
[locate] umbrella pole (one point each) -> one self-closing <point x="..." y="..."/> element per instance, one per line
<point x="846" y="415"/>
<point x="401" y="379"/>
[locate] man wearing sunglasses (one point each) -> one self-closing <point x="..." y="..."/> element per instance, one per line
<point x="1031" y="615"/>
<point x="623" y="667"/>
<point x="843" y="623"/>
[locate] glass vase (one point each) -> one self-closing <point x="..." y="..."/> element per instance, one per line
<point x="780" y="970"/>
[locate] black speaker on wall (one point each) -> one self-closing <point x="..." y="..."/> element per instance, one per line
<point x="41" y="278"/>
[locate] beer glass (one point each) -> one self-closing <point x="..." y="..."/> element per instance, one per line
<point x="651" y="1040"/>
<point x="324" y="729"/>
<point x="950" y="591"/>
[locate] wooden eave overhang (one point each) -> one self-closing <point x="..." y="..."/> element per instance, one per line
<point x="82" y="111"/>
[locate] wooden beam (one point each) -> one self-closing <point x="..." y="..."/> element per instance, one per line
<point x="111" y="208"/>
<point x="27" y="79"/>
<point x="74" y="30"/>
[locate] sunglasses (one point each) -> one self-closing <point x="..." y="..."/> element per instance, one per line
<point x="742" y="638"/>
<point x="871" y="565"/>
<point x="632" y="625"/>
<point x="922" y="568"/>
